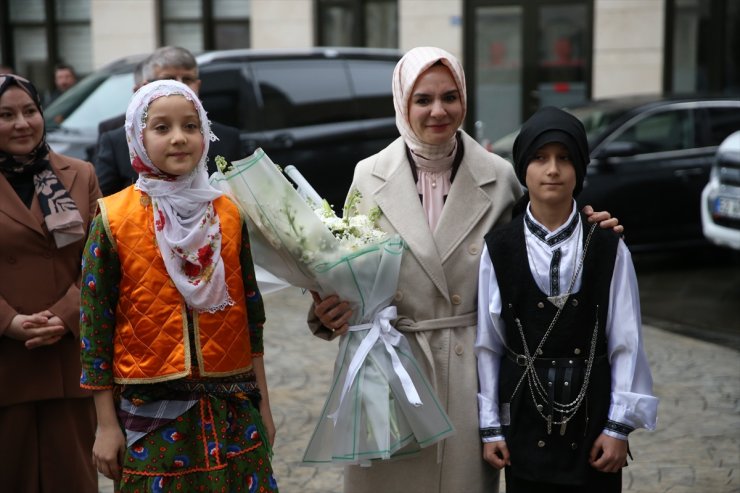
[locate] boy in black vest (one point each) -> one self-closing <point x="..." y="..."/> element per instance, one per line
<point x="563" y="375"/>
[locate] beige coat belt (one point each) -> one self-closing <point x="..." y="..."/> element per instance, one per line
<point x="404" y="324"/>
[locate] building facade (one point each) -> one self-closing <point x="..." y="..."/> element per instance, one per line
<point x="518" y="54"/>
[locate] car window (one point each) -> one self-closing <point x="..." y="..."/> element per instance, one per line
<point x="226" y="92"/>
<point x="595" y="120"/>
<point x="94" y="99"/>
<point x="722" y="122"/>
<point x="664" y="131"/>
<point x="371" y="82"/>
<point x="297" y="93"/>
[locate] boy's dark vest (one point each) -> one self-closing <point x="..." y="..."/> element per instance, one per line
<point x="535" y="454"/>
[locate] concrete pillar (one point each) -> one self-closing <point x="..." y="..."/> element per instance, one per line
<point x="121" y="28"/>
<point x="282" y="24"/>
<point x="431" y="23"/>
<point x="628" y="47"/>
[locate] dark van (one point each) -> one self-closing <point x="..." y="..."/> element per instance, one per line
<point x="320" y="109"/>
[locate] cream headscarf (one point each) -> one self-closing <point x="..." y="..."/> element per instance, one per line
<point x="433" y="162"/>
<point x="407" y="71"/>
<point x="187" y="228"/>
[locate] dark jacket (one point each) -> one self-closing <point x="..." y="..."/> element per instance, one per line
<point x="111" y="123"/>
<point x="113" y="166"/>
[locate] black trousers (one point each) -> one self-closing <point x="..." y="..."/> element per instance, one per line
<point x="598" y="482"/>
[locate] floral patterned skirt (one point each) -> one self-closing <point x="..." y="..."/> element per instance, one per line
<point x="216" y="446"/>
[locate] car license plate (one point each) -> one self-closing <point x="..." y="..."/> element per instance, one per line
<point x="727" y="207"/>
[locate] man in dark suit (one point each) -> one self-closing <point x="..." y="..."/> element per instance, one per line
<point x="112" y="163"/>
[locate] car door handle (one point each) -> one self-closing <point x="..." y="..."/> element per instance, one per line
<point x="688" y="172"/>
<point x="250" y="145"/>
<point x="282" y="141"/>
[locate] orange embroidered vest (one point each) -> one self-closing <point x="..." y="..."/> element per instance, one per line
<point x="151" y="337"/>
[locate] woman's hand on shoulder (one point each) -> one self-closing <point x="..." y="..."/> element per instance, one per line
<point x="333" y="312"/>
<point x="604" y="219"/>
<point x="497" y="454"/>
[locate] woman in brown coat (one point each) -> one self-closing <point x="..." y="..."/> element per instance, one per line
<point x="46" y="202"/>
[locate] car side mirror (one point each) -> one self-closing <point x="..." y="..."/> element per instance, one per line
<point x="618" y="149"/>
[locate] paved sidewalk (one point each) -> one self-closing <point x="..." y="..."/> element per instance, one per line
<point x="696" y="447"/>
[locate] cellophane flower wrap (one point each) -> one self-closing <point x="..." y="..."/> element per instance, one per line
<point x="380" y="404"/>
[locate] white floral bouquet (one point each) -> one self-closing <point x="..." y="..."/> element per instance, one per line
<point x="380" y="404"/>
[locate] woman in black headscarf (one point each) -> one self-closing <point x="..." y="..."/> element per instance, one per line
<point x="46" y="203"/>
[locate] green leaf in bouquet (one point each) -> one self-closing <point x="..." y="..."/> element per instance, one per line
<point x="351" y="209"/>
<point x="222" y="164"/>
<point x="374" y="214"/>
<point x="303" y="248"/>
<point x="326" y="208"/>
<point x="350" y="205"/>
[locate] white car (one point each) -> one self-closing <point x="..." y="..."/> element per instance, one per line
<point x="720" y="200"/>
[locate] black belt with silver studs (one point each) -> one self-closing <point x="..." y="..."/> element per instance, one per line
<point x="569" y="362"/>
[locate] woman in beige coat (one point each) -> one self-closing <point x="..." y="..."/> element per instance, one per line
<point x="47" y="421"/>
<point x="442" y="192"/>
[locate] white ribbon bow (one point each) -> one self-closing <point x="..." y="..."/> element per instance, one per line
<point x="380" y="329"/>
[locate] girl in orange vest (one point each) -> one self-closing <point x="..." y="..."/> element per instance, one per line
<point x="171" y="318"/>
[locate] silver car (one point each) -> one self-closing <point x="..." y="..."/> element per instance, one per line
<point x="720" y="200"/>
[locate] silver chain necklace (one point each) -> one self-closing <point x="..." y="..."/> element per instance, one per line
<point x="567" y="410"/>
<point x="558" y="300"/>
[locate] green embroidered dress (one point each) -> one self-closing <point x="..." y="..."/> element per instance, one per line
<point x="192" y="434"/>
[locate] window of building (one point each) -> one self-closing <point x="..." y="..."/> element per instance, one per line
<point x="702" y="42"/>
<point x="200" y="25"/>
<point x="74" y="36"/>
<point x="521" y="55"/>
<point x="37" y="34"/>
<point x="368" y="23"/>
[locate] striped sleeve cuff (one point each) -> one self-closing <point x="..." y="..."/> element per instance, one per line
<point x="491" y="434"/>
<point x="617" y="430"/>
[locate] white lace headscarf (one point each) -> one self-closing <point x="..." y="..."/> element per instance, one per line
<point x="405" y="75"/>
<point x="187" y="228"/>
